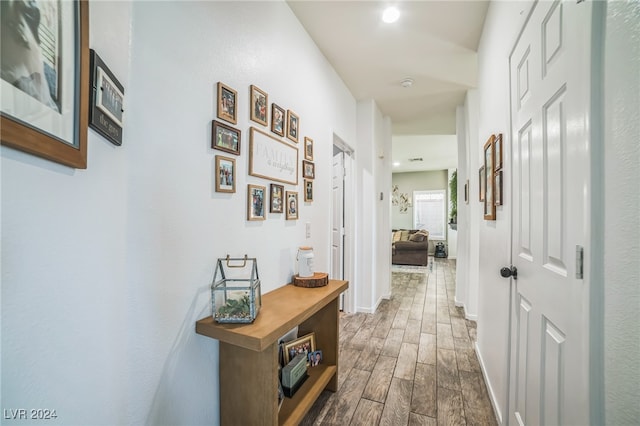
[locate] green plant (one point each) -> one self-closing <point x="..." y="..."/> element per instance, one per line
<point x="453" y="188"/>
<point x="235" y="308"/>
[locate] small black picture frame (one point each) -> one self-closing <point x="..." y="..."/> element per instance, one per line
<point x="106" y="111"/>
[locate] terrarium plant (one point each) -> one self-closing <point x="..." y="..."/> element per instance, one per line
<point x="235" y="308"/>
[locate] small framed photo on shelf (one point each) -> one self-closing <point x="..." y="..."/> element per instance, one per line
<point x="308" y="170"/>
<point x="259" y="104"/>
<point x="292" y="205"/>
<point x="225" y="174"/>
<point x="497" y="147"/>
<point x="293" y="126"/>
<point x="227" y="103"/>
<point x="308" y="148"/>
<point x="225" y="138"/>
<point x="277" y="119"/>
<point x="255" y="202"/>
<point x="302" y="345"/>
<point x="308" y="190"/>
<point x="315" y="358"/>
<point x="498" y="188"/>
<point x="276" y="198"/>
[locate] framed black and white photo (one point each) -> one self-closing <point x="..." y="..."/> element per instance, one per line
<point x="308" y="148"/>
<point x="44" y="105"/>
<point x="277" y="198"/>
<point x="292" y="205"/>
<point x="106" y="112"/>
<point x="308" y="190"/>
<point x="308" y="170"/>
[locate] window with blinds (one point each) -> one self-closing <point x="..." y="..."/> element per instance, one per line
<point x="429" y="212"/>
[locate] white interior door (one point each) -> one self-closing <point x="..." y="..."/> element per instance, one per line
<point x="550" y="97"/>
<point x="337" y="219"/>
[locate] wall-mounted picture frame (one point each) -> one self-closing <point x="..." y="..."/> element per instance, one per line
<point x="497" y="148"/>
<point x="106" y="112"/>
<point x="225" y="174"/>
<point x="227" y="103"/>
<point x="308" y="170"/>
<point x="52" y="120"/>
<point x="278" y="116"/>
<point x="292" y="205"/>
<point x="293" y="125"/>
<point x="225" y="138"/>
<point x="466" y="192"/>
<point x="255" y="202"/>
<point x="308" y="148"/>
<point x="482" y="179"/>
<point x="259" y="102"/>
<point x="302" y="345"/>
<point x="498" y="188"/>
<point x="276" y="198"/>
<point x="308" y="190"/>
<point x="489" y="187"/>
<point x="271" y="158"/>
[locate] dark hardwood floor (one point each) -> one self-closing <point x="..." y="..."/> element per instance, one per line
<point x="410" y="363"/>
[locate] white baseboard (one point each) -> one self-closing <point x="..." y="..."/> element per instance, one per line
<point x="492" y="396"/>
<point x="468" y="316"/>
<point x="375" y="308"/>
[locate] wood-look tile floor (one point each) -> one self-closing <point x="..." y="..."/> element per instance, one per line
<point x="410" y="363"/>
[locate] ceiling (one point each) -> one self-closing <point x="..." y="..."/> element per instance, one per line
<point x="433" y="42"/>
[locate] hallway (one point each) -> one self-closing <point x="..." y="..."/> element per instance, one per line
<point x="412" y="362"/>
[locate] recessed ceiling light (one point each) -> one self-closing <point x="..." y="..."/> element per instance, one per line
<point x="390" y="14"/>
<point x="407" y="82"/>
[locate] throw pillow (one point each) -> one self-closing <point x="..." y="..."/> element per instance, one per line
<point x="396" y="236"/>
<point x="405" y="236"/>
<point x="418" y="237"/>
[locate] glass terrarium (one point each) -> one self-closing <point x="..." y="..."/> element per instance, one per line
<point x="235" y="291"/>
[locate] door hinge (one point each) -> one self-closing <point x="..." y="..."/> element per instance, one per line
<point x="579" y="262"/>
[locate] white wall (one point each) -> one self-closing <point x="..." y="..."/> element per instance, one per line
<point x="622" y="224"/>
<point x="438" y="152"/>
<point x="409" y="182"/>
<point x="105" y="271"/>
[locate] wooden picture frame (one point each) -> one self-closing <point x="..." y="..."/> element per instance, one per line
<point x="498" y="188"/>
<point x="225" y="138"/>
<point x="256" y="202"/>
<point x="276" y="198"/>
<point x="489" y="187"/>
<point x="305" y="344"/>
<point x="308" y="170"/>
<point x="278" y="116"/>
<point x="271" y="158"/>
<point x="227" y="104"/>
<point x="259" y="102"/>
<point x="497" y="148"/>
<point x="57" y="136"/>
<point x="308" y="190"/>
<point x="308" y="148"/>
<point x="225" y="174"/>
<point x="292" y="206"/>
<point x="482" y="179"/>
<point x="293" y="126"/>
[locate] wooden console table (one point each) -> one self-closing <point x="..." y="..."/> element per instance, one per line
<point x="249" y="355"/>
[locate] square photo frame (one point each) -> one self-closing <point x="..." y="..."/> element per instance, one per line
<point x="302" y="345"/>
<point x="278" y="116"/>
<point x="308" y="148"/>
<point x="308" y="170"/>
<point x="276" y="198"/>
<point x="255" y="202"/>
<point x="259" y="102"/>
<point x="308" y="190"/>
<point x="293" y="126"/>
<point x="227" y="100"/>
<point x="225" y="174"/>
<point x="225" y="138"/>
<point x="292" y="205"/>
<point x="314" y="358"/>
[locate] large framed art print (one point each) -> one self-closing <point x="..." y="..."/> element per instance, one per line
<point x="44" y="70"/>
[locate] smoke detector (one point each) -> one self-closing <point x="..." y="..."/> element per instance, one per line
<point x="407" y="82"/>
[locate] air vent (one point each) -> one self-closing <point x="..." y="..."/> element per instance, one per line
<point x="416" y="159"/>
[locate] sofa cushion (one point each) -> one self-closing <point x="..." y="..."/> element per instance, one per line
<point x="396" y="236"/>
<point x="417" y="237"/>
<point x="404" y="236"/>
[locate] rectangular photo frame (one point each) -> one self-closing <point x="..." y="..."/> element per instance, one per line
<point x="106" y="101"/>
<point x="225" y="138"/>
<point x="308" y="190"/>
<point x="65" y="106"/>
<point x="276" y="198"/>
<point x="498" y="185"/>
<point x="293" y="126"/>
<point x="302" y="345"/>
<point x="308" y="148"/>
<point x="278" y="116"/>
<point x="482" y="178"/>
<point x="497" y="148"/>
<point x="255" y="202"/>
<point x="259" y="102"/>
<point x="308" y="170"/>
<point x="227" y="101"/>
<point x="292" y="205"/>
<point x="489" y="187"/>
<point x="225" y="174"/>
<point x="271" y="158"/>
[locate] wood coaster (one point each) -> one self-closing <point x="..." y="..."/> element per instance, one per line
<point x="318" y="279"/>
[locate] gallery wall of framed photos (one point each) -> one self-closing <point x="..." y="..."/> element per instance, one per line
<point x="273" y="156"/>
